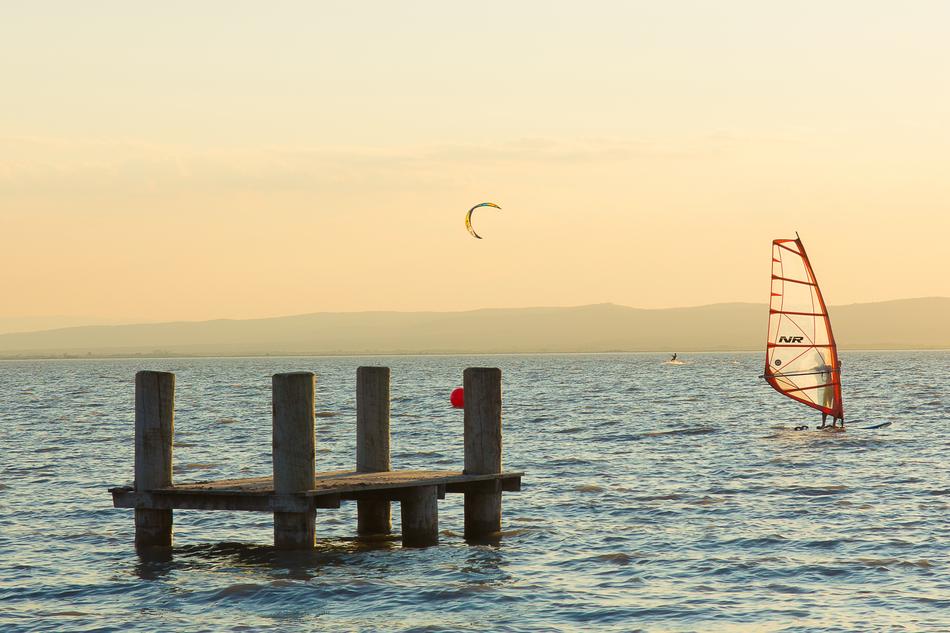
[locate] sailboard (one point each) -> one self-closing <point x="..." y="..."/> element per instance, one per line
<point x="801" y="358"/>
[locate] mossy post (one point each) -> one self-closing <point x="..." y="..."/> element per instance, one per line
<point x="294" y="456"/>
<point x="419" y="507"/>
<point x="372" y="445"/>
<point x="154" y="430"/>
<point x="482" y="449"/>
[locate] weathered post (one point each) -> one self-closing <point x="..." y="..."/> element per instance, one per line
<point x="294" y="455"/>
<point x="154" y="430"/>
<point x="420" y="516"/>
<point x="482" y="449"/>
<point x="372" y="444"/>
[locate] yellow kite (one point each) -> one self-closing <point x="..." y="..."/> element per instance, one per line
<point x="468" y="217"/>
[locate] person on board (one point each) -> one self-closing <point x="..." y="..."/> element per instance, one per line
<point x="674" y="358"/>
<point x="829" y="394"/>
<point x="826" y="391"/>
<point x="838" y="365"/>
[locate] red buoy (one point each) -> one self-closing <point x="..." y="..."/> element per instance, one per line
<point x="458" y="398"/>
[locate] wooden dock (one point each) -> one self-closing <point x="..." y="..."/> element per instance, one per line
<point x="296" y="490"/>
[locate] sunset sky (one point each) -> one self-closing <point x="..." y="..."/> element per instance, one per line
<point x="180" y="160"/>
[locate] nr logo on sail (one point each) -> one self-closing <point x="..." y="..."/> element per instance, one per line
<point x="790" y="339"/>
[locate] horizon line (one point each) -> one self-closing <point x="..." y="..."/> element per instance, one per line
<point x="150" y="356"/>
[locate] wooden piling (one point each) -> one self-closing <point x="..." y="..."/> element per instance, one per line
<point x="294" y="455"/>
<point x="482" y="448"/>
<point x="420" y="516"/>
<point x="154" y="431"/>
<point x="372" y="444"/>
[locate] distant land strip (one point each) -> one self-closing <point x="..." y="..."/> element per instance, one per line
<point x="900" y="324"/>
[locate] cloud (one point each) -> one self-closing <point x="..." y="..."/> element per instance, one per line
<point x="44" y="166"/>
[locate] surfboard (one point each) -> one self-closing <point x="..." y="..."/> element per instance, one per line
<point x="838" y="429"/>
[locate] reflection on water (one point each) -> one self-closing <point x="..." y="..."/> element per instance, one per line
<point x="658" y="497"/>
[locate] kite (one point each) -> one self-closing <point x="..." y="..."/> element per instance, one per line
<point x="468" y="217"/>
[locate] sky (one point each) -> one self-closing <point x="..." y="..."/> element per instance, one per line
<point x="187" y="161"/>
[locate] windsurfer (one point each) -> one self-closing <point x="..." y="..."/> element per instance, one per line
<point x="798" y="319"/>
<point x="838" y="365"/>
<point x="827" y="393"/>
<point x="834" y="421"/>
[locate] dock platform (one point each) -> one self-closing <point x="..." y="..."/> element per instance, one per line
<point x="330" y="488"/>
<point x="297" y="490"/>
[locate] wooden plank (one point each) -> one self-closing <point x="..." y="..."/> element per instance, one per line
<point x="231" y="494"/>
<point x="254" y="485"/>
<point x="342" y="481"/>
<point x="511" y="484"/>
<point x="483" y="486"/>
<point x="506" y="482"/>
<point x="353" y="482"/>
<point x="389" y="494"/>
<point x="238" y="502"/>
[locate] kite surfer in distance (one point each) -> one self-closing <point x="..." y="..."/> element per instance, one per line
<point x="673" y="360"/>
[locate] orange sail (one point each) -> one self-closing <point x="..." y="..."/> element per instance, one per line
<point x="801" y="359"/>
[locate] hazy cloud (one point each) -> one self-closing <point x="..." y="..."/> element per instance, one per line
<point x="41" y="166"/>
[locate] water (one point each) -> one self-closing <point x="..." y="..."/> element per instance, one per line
<point x="730" y="525"/>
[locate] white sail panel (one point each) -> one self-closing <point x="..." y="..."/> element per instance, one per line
<point x="801" y="357"/>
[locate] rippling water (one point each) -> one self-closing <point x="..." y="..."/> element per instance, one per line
<point x="658" y="498"/>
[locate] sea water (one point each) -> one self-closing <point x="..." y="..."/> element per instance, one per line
<point x="657" y="497"/>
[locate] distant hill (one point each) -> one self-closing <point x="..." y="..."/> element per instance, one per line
<point x="902" y="324"/>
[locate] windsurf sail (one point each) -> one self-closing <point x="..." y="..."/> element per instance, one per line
<point x="801" y="358"/>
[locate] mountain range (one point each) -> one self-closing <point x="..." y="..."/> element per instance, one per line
<point x="922" y="323"/>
